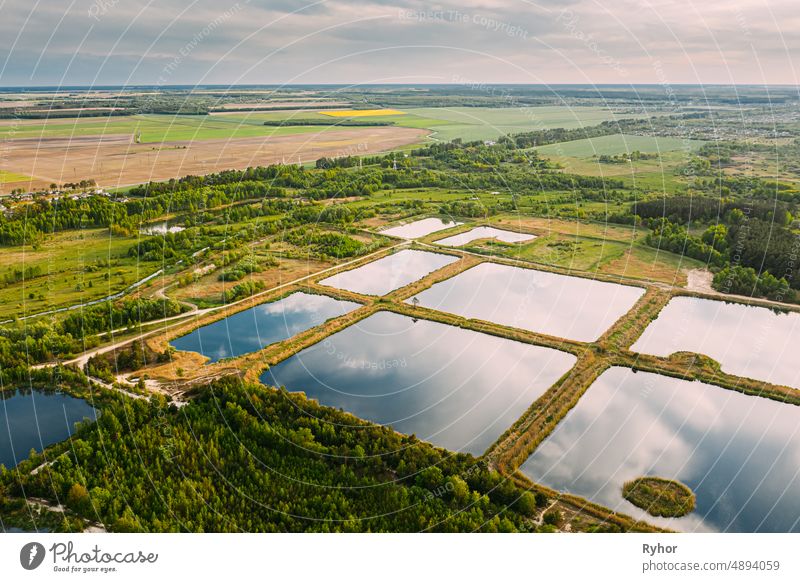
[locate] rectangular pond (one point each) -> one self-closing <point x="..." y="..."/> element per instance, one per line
<point x="739" y="454"/>
<point x="482" y="232"/>
<point x="389" y="273"/>
<point x="453" y="387"/>
<point x="754" y="342"/>
<point x="569" y="307"/>
<point x="262" y="325"/>
<point x="420" y="228"/>
<point x="35" y="419"/>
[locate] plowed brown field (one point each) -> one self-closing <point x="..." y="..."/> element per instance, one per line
<point x="114" y="161"/>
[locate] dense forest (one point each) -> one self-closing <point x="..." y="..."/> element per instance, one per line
<point x="249" y="458"/>
<point x="108" y="316"/>
<point x="751" y="239"/>
<point x="705" y="209"/>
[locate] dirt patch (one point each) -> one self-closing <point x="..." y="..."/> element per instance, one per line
<point x="73" y="110"/>
<point x="114" y="161"/>
<point x="14" y="104"/>
<point x="700" y="280"/>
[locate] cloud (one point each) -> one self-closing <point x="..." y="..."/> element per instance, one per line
<point x="276" y="41"/>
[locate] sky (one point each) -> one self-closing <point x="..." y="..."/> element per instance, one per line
<point x="170" y="42"/>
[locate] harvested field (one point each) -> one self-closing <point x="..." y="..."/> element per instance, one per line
<point x="114" y="161"/>
<point x="13" y="104"/>
<point x="72" y="110"/>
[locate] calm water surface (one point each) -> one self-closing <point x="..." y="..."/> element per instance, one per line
<point x="453" y="387"/>
<point x="558" y="305"/>
<point x="33" y="419"/>
<point x="389" y="273"/>
<point x="482" y="232"/>
<point x="420" y="228"/>
<point x="262" y="325"/>
<point x="740" y="454"/>
<point x="754" y="342"/>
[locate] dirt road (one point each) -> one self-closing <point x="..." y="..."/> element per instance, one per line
<point x="81" y="360"/>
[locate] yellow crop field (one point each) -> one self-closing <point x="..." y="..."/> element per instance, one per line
<point x="361" y="112"/>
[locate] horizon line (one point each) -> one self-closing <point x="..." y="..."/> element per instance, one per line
<point x="356" y="85"/>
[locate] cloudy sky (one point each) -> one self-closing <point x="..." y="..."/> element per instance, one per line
<point x="85" y="42"/>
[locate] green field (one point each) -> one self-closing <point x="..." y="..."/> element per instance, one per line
<point x="12" y="177"/>
<point x="153" y="128"/>
<point x="68" y="262"/>
<point x="656" y="174"/>
<point x="475" y="123"/>
<point x="593" y="254"/>
<point x="613" y="145"/>
<point x="258" y="117"/>
<point x="467" y="123"/>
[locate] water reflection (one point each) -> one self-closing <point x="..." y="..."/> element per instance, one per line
<point x="389" y="273"/>
<point x="34" y="419"/>
<point x="420" y="228"/>
<point x="754" y="342"/>
<point x="569" y="307"/>
<point x="259" y="326"/>
<point x="453" y="387"/>
<point x="740" y="454"/>
<point x="160" y="228"/>
<point x="482" y="232"/>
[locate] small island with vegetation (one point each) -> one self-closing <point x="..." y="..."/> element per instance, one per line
<point x="659" y="497"/>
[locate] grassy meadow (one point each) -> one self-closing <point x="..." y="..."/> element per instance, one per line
<point x="76" y="267"/>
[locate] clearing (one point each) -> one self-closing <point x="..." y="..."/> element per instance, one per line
<point x="616" y="144"/>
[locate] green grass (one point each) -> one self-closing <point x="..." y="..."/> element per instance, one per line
<point x="280" y="115"/>
<point x="648" y="264"/>
<point x="594" y="247"/>
<point x="658" y="174"/>
<point x="544" y="226"/>
<point x="468" y="123"/>
<point x="6" y="176"/>
<point x="612" y="145"/>
<point x="578" y="253"/>
<point x="476" y="123"/>
<point x="154" y="128"/>
<point x="589" y="254"/>
<point x="63" y="259"/>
